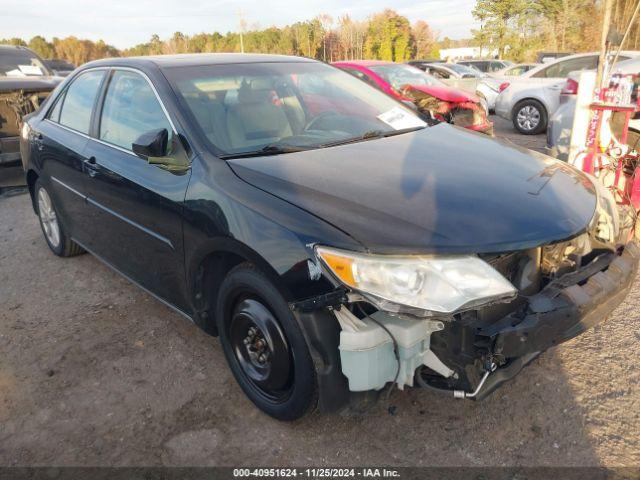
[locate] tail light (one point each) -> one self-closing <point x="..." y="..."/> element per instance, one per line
<point x="503" y="86"/>
<point x="570" y="87"/>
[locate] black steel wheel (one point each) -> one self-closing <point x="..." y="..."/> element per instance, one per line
<point x="261" y="349"/>
<point x="264" y="345"/>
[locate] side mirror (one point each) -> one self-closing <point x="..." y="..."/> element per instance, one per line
<point x="151" y="144"/>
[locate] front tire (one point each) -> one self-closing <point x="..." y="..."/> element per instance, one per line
<point x="264" y="345"/>
<point x="54" y="233"/>
<point x="529" y="117"/>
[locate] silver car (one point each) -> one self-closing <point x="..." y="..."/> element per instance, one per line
<point x="561" y="123"/>
<point x="489" y="88"/>
<point x="530" y="99"/>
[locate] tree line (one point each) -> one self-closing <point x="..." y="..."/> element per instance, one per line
<point x="518" y="29"/>
<point x="510" y="29"/>
<point x="75" y="50"/>
<point x="384" y="36"/>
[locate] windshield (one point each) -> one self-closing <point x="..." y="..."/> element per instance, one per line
<point x="464" y="70"/>
<point x="281" y="107"/>
<point x="400" y="75"/>
<point x="21" y="63"/>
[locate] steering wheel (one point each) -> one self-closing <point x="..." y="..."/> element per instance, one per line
<point x="315" y="120"/>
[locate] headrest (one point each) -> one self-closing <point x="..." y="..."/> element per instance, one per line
<point x="258" y="90"/>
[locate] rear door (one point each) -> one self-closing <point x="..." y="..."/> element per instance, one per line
<point x="60" y="141"/>
<point x="137" y="207"/>
<point x="553" y="77"/>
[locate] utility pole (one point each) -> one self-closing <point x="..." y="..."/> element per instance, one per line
<point x="241" y="24"/>
<point x="606" y="21"/>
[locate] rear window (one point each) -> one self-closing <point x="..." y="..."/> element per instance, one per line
<point x="21" y="63"/>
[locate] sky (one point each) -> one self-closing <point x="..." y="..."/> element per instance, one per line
<point x="129" y="22"/>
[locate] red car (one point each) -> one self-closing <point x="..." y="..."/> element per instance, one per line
<point x="409" y="84"/>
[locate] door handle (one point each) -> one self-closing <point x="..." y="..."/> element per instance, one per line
<point x="90" y="166"/>
<point x="37" y="139"/>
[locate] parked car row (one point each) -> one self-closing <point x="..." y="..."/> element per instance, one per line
<point x="336" y="242"/>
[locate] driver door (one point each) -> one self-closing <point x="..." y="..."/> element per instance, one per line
<point x="136" y="207"/>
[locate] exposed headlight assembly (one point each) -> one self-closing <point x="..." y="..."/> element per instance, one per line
<point x="605" y="224"/>
<point x="421" y="285"/>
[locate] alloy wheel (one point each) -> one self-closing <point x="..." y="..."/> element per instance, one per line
<point x="48" y="218"/>
<point x="528" y="118"/>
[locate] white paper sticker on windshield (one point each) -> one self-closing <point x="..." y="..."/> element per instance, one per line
<point x="30" y="69"/>
<point x="15" y="73"/>
<point x="398" y="119"/>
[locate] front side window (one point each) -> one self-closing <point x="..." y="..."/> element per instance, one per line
<point x="243" y="109"/>
<point x="130" y="109"/>
<point x="77" y="104"/>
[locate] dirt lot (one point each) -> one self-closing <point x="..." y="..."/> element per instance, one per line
<point x="94" y="371"/>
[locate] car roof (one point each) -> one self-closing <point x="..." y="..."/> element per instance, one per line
<point x="198" y="59"/>
<point x="533" y="71"/>
<point x="363" y="63"/>
<point x="631" y="65"/>
<point x="14" y="47"/>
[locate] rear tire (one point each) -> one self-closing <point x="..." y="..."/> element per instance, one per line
<point x="529" y="117"/>
<point x="264" y="345"/>
<point x="54" y="233"/>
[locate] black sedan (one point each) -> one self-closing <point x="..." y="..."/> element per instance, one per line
<point x="335" y="242"/>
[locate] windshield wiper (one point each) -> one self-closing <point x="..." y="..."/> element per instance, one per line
<point x="271" y="149"/>
<point x="277" y="148"/>
<point x="369" y="135"/>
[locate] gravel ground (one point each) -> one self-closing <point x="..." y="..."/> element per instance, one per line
<point x="94" y="371"/>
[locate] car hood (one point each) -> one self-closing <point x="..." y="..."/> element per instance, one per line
<point x="441" y="189"/>
<point x="32" y="84"/>
<point x="443" y="92"/>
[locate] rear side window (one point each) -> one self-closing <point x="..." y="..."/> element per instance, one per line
<point x="55" y="112"/>
<point x="563" y="68"/>
<point x="76" y="107"/>
<point x="130" y="109"/>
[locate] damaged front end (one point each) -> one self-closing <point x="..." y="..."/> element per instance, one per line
<point x="462" y="113"/>
<point x="14" y="105"/>
<point x="560" y="290"/>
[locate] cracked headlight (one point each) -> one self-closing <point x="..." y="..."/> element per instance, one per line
<point x="421" y="285"/>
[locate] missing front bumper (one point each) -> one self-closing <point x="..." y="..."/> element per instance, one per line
<point x="568" y="306"/>
<point x="564" y="309"/>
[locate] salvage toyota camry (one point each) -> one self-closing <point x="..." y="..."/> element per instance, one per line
<point x="335" y="242"/>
